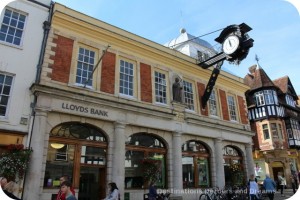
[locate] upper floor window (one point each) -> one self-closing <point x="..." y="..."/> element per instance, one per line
<point x="160" y="88"/>
<point x="213" y="106"/>
<point x="266" y="97"/>
<point x="126" y="78"/>
<point x="266" y="133"/>
<point x="274" y="130"/>
<point x="290" y="101"/>
<point x="260" y="100"/>
<point x="5" y="88"/>
<point x="85" y="65"/>
<point x="12" y="27"/>
<point x="232" y="108"/>
<point x="188" y="95"/>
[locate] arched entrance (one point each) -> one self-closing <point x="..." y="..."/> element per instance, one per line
<point x="195" y="164"/>
<point x="233" y="166"/>
<point x="277" y="167"/>
<point x="79" y="151"/>
<point x="145" y="151"/>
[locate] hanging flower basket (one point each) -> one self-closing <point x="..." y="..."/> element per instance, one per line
<point x="235" y="168"/>
<point x="151" y="169"/>
<point x="15" y="162"/>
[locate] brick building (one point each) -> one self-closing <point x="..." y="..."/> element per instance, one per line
<point x="101" y="124"/>
<point x="274" y="116"/>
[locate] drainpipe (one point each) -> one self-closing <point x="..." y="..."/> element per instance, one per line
<point x="46" y="27"/>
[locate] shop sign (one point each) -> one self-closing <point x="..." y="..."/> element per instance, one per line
<point x="84" y="109"/>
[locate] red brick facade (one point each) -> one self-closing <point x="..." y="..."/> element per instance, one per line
<point x="146" y="82"/>
<point x="108" y="73"/>
<point x="62" y="59"/>
<point x="201" y="89"/>
<point x="224" y="105"/>
<point x="243" y="111"/>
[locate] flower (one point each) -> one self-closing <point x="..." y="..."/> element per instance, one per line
<point x="151" y="169"/>
<point x="14" y="163"/>
<point x="235" y="167"/>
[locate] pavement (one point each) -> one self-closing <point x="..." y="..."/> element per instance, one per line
<point x="287" y="194"/>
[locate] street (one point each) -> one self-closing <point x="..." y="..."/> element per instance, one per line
<point x="287" y="194"/>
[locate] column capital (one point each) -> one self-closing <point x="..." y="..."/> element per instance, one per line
<point x="177" y="133"/>
<point x="219" y="139"/>
<point x="120" y="124"/>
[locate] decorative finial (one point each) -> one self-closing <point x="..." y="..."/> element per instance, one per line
<point x="257" y="59"/>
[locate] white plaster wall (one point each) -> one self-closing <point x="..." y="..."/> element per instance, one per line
<point x="21" y="62"/>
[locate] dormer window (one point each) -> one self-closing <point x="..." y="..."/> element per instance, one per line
<point x="266" y="97"/>
<point x="290" y="101"/>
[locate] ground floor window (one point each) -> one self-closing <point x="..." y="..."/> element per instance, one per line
<point x="145" y="159"/>
<point x="233" y="167"/>
<point x="195" y="165"/>
<point x="78" y="151"/>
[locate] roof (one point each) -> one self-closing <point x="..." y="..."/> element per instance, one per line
<point x="190" y="45"/>
<point x="257" y="78"/>
<point x="285" y="85"/>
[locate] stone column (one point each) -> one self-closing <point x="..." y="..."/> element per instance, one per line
<point x="220" y="176"/>
<point x="118" y="161"/>
<point x="249" y="159"/>
<point x="34" y="177"/>
<point x="177" y="161"/>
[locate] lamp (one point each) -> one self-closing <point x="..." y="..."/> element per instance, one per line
<point x="57" y="145"/>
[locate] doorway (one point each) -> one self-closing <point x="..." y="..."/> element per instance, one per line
<point x="91" y="183"/>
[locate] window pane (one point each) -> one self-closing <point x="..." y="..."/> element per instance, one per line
<point x="203" y="172"/>
<point x="188" y="94"/>
<point x="85" y="63"/>
<point x="92" y="155"/>
<point x="188" y="171"/>
<point x="60" y="161"/>
<point x="126" y="78"/>
<point x="12" y="21"/>
<point x="133" y="169"/>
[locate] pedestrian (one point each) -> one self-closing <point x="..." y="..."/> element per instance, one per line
<point x="60" y="194"/>
<point x="3" y="182"/>
<point x="269" y="186"/>
<point x="253" y="188"/>
<point x="152" y="191"/>
<point x="113" y="192"/>
<point x="281" y="183"/>
<point x="294" y="182"/>
<point x="65" y="188"/>
<point x="9" y="190"/>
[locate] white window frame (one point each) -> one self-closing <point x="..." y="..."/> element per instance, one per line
<point x="232" y="108"/>
<point x="13" y="28"/>
<point x="8" y="96"/>
<point x="213" y="104"/>
<point x="269" y="98"/>
<point x="265" y="131"/>
<point x="260" y="99"/>
<point x="160" y="87"/>
<point x="290" y="101"/>
<point x="189" y="95"/>
<point x="127" y="78"/>
<point x="88" y="63"/>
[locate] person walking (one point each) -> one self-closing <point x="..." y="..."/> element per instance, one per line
<point x="253" y="188"/>
<point x="113" y="192"/>
<point x="60" y="194"/>
<point x="281" y="183"/>
<point x="269" y="186"/>
<point x="294" y="182"/>
<point x="65" y="188"/>
<point x="9" y="189"/>
<point x="152" y="191"/>
<point x="3" y="182"/>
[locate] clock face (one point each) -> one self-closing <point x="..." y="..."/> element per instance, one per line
<point x="231" y="44"/>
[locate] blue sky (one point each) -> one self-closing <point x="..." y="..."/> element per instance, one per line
<point x="275" y="24"/>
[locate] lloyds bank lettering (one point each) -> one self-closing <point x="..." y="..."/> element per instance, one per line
<point x="83" y="109"/>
